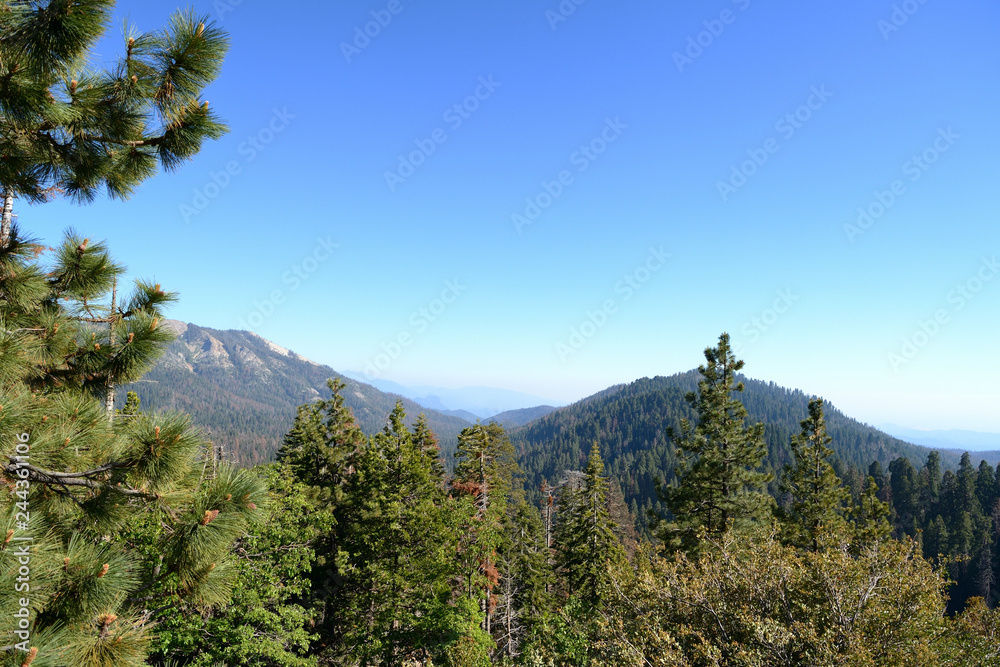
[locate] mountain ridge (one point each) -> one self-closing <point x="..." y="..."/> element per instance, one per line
<point x="244" y="389"/>
<point x="631" y="421"/>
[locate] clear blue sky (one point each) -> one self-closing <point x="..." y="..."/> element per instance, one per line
<point x="664" y="121"/>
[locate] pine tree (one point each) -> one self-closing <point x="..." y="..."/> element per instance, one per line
<point x="483" y="478"/>
<point x="818" y="496"/>
<point x="903" y="480"/>
<point x="321" y="451"/>
<point x="396" y="555"/>
<point x="966" y="487"/>
<point x="425" y="440"/>
<point x="94" y="341"/>
<point x="69" y="127"/>
<point x="526" y="580"/>
<point x="718" y="481"/>
<point x="876" y="472"/>
<point x="871" y="518"/>
<point x="124" y="523"/>
<point x="587" y="545"/>
<point x="265" y="622"/>
<point x="987" y="489"/>
<point x="936" y="539"/>
<point x="930" y="481"/>
<point x="322" y="443"/>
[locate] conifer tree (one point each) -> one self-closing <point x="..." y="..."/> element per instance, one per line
<point x="717" y="480"/>
<point x="877" y="474"/>
<point x="936" y="539"/>
<point x="526" y="580"/>
<point x="92" y="346"/>
<point x="818" y="496"/>
<point x="396" y="555"/>
<point x="905" y="495"/>
<point x="119" y="519"/>
<point x="930" y="481"/>
<point x="587" y="545"/>
<point x="483" y="479"/>
<point x="987" y="489"/>
<point x="265" y="623"/>
<point x="322" y="443"/>
<point x="965" y="490"/>
<point x="321" y="450"/>
<point x="871" y="518"/>
<point x="69" y="127"/>
<point x="425" y="440"/>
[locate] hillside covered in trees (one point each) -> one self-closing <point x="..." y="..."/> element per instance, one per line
<point x="358" y="549"/>
<point x="244" y="391"/>
<point x="698" y="520"/>
<point x="632" y="421"/>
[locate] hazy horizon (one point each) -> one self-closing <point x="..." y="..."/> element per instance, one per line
<point x="555" y="203"/>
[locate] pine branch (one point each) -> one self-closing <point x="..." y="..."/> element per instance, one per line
<point x="81" y="479"/>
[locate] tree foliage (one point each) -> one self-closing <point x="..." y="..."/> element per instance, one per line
<point x="718" y="482"/>
<point x="122" y="519"/>
<point x="818" y="497"/>
<point x="69" y="127"/>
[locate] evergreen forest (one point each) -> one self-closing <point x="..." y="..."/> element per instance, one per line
<point x="702" y="519"/>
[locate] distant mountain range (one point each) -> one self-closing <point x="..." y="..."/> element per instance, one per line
<point x="513" y="418"/>
<point x="971" y="441"/>
<point x="479" y="402"/>
<point x="244" y="390"/>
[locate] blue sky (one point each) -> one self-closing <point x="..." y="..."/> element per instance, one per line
<point x="697" y="167"/>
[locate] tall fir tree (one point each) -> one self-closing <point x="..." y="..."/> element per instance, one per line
<point x="965" y="490"/>
<point x="396" y="555"/>
<point x="903" y="480"/>
<point x="930" y="481"/>
<point x="818" y="496"/>
<point x="587" y="546"/>
<point x="987" y="488"/>
<point x="321" y="451"/>
<point x="526" y="580"/>
<point x="425" y="440"/>
<point x="323" y="441"/>
<point x="718" y="481"/>
<point x="871" y="518"/>
<point x="483" y="480"/>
